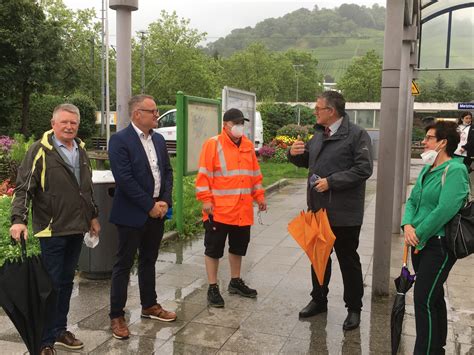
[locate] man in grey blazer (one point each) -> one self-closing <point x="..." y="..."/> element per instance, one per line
<point x="339" y="162"/>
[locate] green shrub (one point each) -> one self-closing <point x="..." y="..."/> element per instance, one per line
<point x="293" y="130"/>
<point x="279" y="156"/>
<point x="7" y="250"/>
<point x="164" y="108"/>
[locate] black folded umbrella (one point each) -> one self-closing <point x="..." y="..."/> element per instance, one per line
<point x="403" y="283"/>
<point x="27" y="297"/>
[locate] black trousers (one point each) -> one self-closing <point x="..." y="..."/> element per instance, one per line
<point x="346" y="244"/>
<point x="146" y="240"/>
<point x="432" y="266"/>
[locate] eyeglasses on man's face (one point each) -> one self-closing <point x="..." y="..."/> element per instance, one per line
<point x="153" y="112"/>
<point x="317" y="109"/>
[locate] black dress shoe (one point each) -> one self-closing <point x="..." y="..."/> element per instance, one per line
<point x="313" y="308"/>
<point x="352" y="321"/>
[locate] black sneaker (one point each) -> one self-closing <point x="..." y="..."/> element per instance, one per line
<point x="214" y="298"/>
<point x="239" y="286"/>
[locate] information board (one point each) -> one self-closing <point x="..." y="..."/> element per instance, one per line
<point x="246" y="102"/>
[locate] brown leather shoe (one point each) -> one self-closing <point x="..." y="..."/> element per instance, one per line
<point x="119" y="328"/>
<point x="69" y="341"/>
<point x="157" y="312"/>
<point x="48" y="350"/>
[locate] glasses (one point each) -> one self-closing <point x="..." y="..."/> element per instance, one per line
<point x="317" y="109"/>
<point x="153" y="112"/>
<point x="429" y="136"/>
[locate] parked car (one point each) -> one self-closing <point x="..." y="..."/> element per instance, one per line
<point x="167" y="128"/>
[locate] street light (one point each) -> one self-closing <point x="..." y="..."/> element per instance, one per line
<point x="142" y="83"/>
<point x="295" y="67"/>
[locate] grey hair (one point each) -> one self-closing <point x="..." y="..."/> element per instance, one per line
<point x="334" y="100"/>
<point x="135" y="100"/>
<point x="68" y="108"/>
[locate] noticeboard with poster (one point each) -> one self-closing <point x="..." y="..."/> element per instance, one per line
<point x="201" y="120"/>
<point x="246" y="102"/>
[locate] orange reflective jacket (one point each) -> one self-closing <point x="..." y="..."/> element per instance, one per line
<point x="229" y="176"/>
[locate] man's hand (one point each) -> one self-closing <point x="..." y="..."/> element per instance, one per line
<point x="208" y="207"/>
<point x="156" y="211"/>
<point x="95" y="227"/>
<point x="262" y="206"/>
<point x="163" y="208"/>
<point x="321" y="185"/>
<point x="17" y="229"/>
<point x="297" y="147"/>
<point x="410" y="235"/>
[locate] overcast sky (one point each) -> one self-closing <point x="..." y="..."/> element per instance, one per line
<point x="216" y="17"/>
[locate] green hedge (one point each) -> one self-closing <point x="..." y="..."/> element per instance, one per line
<point x="277" y="115"/>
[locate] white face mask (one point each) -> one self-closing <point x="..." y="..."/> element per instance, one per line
<point x="237" y="130"/>
<point x="430" y="156"/>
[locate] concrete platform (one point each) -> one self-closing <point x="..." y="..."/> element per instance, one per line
<point x="269" y="324"/>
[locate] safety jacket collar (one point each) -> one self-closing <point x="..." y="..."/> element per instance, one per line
<point x="47" y="142"/>
<point x="245" y="144"/>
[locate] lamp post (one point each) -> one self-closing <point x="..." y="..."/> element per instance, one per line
<point x="142" y="83"/>
<point x="295" y="67"/>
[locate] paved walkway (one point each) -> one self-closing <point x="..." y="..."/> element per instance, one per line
<point x="280" y="271"/>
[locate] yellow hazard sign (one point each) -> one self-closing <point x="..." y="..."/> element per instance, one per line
<point x="415" y="91"/>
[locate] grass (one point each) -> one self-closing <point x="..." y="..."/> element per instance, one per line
<point x="273" y="172"/>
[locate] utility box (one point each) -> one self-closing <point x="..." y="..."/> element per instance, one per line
<point x="96" y="263"/>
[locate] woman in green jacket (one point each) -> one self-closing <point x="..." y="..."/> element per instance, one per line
<point x="440" y="191"/>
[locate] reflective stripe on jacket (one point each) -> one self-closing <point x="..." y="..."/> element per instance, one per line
<point x="229" y="176"/>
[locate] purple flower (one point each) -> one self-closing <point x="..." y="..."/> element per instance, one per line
<point x="6" y="144"/>
<point x="266" y="151"/>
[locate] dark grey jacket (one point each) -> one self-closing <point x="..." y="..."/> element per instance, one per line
<point x="60" y="206"/>
<point x="345" y="159"/>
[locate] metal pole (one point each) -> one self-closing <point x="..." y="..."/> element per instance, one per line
<point x="142" y="84"/>
<point x="107" y="86"/>
<point x="295" y="67"/>
<point x="387" y="153"/>
<point x="124" y="10"/>
<point x="179" y="161"/>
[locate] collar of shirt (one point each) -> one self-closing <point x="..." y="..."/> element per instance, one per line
<point x="335" y="126"/>
<point x="62" y="145"/>
<point x="140" y="132"/>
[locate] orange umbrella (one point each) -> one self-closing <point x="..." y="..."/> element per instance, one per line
<point x="313" y="233"/>
<point x="324" y="242"/>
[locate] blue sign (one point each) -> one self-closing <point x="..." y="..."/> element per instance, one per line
<point x="465" y="105"/>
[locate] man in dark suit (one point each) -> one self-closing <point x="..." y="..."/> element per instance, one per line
<point x="144" y="181"/>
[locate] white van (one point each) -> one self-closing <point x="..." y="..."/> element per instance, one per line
<point x="167" y="128"/>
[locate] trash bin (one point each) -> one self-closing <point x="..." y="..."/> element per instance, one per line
<point x="97" y="263"/>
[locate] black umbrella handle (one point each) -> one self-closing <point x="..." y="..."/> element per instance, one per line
<point x="23" y="246"/>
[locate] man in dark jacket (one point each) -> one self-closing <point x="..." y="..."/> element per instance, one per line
<point x="56" y="177"/>
<point x="144" y="182"/>
<point x="339" y="161"/>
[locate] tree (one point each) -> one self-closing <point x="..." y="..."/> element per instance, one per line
<point x="173" y="61"/>
<point x="252" y="70"/>
<point x="32" y="45"/>
<point x="362" y="79"/>
<point x="78" y="69"/>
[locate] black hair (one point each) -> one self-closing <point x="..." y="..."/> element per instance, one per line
<point x="446" y="130"/>
<point x="462" y="115"/>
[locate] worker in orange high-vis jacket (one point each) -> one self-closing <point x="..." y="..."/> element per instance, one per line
<point x="228" y="181"/>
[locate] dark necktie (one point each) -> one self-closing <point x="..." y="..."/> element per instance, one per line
<point x="327" y="131"/>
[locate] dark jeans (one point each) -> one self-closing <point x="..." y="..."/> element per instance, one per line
<point x="147" y="240"/>
<point x="432" y="265"/>
<point x="60" y="256"/>
<point x="346" y="244"/>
